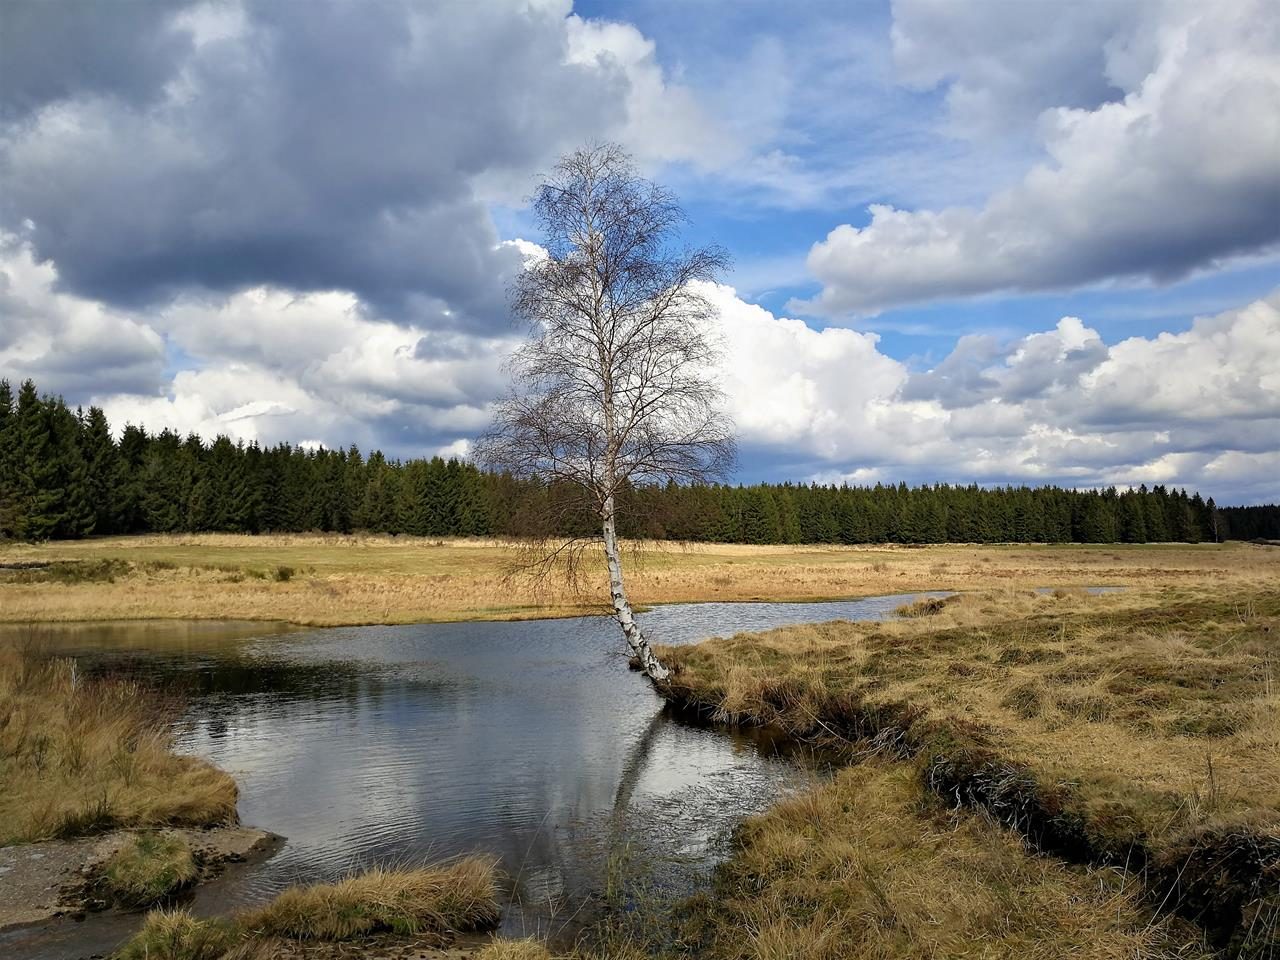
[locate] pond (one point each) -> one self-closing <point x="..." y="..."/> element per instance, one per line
<point x="530" y="740"/>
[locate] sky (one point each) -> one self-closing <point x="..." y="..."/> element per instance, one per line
<point x="1006" y="241"/>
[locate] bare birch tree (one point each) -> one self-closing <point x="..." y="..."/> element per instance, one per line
<point x="615" y="384"/>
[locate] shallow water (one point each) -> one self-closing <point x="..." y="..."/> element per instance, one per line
<point x="531" y="741"/>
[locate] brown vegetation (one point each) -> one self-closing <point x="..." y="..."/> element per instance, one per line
<point x="80" y="756"/>
<point x="1140" y="729"/>
<point x="368" y="579"/>
<point x="442" y="899"/>
<point x="867" y="866"/>
<point x="461" y="895"/>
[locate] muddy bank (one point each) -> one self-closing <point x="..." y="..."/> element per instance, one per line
<point x="40" y="881"/>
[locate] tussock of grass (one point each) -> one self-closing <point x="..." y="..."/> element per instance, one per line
<point x="924" y="607"/>
<point x="866" y="866"/>
<point x="461" y="895"/>
<point x="1106" y="729"/>
<point x="176" y="935"/>
<point x="457" y="896"/>
<point x="147" y="869"/>
<point x="78" y="756"/>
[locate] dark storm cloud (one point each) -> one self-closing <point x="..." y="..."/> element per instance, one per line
<point x="318" y="146"/>
<point x="54" y="49"/>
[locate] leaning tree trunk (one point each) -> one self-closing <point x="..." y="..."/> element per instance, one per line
<point x="621" y="605"/>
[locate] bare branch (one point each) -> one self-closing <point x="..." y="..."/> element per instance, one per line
<point x="615" y="385"/>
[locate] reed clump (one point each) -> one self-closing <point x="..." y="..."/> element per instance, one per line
<point x="177" y="935"/>
<point x="80" y="755"/>
<point x="460" y="895"/>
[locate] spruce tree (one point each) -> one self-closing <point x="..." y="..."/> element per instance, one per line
<point x="37" y="477"/>
<point x="8" y="463"/>
<point x="77" y="511"/>
<point x="102" y="461"/>
<point x="127" y="485"/>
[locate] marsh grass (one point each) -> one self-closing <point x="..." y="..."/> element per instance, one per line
<point x="460" y="895"/>
<point x="1135" y="729"/>
<point x="869" y="866"/>
<point x="924" y="607"/>
<point x="94" y="570"/>
<point x="148" y="868"/>
<point x="372" y="579"/>
<point x="79" y="756"/>
<point x="177" y="935"/>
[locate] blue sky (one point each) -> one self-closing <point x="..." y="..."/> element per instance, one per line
<point x="1003" y="242"/>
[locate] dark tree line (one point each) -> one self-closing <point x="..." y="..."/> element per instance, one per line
<point x="64" y="475"/>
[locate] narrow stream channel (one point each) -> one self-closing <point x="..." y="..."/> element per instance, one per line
<point x="397" y="744"/>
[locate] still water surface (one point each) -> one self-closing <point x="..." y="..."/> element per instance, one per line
<point x="531" y="741"/>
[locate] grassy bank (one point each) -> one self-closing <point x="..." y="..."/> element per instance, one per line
<point x="453" y="897"/>
<point x="868" y="866"/>
<point x="321" y="580"/>
<point x="81" y="756"/>
<point x="1139" y="730"/>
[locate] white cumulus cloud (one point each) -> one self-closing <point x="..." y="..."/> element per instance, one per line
<point x="1167" y="165"/>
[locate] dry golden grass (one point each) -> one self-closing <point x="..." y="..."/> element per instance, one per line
<point x="1164" y="702"/>
<point x="1139" y="728"/>
<point x="177" y="935"/>
<point x="368" y="579"/>
<point x="867" y="867"/>
<point x="78" y="756"/>
<point x="461" y="895"/>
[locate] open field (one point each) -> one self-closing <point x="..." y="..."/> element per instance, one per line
<point x="1139" y="730"/>
<point x="319" y="580"/>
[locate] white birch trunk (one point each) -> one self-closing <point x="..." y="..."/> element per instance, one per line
<point x="635" y="638"/>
